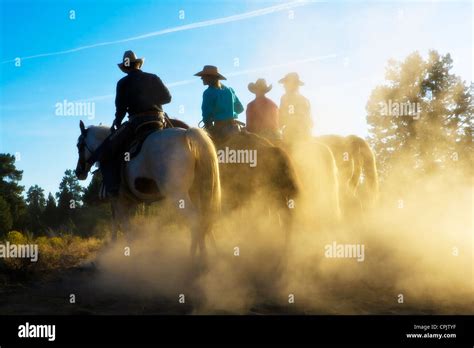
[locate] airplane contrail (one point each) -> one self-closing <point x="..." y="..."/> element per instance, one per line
<point x="235" y="73"/>
<point x="217" y="21"/>
<point x="282" y="65"/>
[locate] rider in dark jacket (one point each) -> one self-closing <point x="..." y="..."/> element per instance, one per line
<point x="141" y="95"/>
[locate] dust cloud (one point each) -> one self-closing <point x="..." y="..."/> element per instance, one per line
<point x="417" y="257"/>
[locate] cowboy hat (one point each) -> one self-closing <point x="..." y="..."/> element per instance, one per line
<point x="210" y="70"/>
<point x="259" y="85"/>
<point x="130" y="61"/>
<point x="291" y="77"/>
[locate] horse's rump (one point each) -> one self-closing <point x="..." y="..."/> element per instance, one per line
<point x="368" y="165"/>
<point x="355" y="161"/>
<point x="273" y="176"/>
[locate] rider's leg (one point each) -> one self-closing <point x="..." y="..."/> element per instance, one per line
<point x="108" y="170"/>
<point x="111" y="159"/>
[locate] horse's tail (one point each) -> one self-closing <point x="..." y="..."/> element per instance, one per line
<point x="369" y="167"/>
<point x="206" y="181"/>
<point x="328" y="180"/>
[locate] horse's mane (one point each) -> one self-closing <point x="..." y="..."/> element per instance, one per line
<point x="100" y="126"/>
<point x="99" y="132"/>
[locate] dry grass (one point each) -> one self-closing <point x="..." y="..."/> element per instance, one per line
<point x="53" y="252"/>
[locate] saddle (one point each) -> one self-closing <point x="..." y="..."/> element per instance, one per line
<point x="220" y="132"/>
<point x="142" y="133"/>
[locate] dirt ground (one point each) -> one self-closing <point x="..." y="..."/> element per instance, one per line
<point x="49" y="294"/>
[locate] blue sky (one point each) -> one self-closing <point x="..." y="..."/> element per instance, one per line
<point x="339" y="48"/>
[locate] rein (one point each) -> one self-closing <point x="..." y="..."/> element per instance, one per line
<point x="81" y="146"/>
<point x="168" y="120"/>
<point x="86" y="146"/>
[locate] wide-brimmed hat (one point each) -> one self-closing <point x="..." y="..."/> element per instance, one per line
<point x="259" y="85"/>
<point x="130" y="61"/>
<point x="292" y="77"/>
<point x="210" y="70"/>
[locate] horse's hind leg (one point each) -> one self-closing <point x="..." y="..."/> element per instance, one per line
<point x="202" y="232"/>
<point x="190" y="213"/>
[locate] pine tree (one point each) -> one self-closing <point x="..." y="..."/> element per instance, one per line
<point x="420" y="120"/>
<point x="35" y="206"/>
<point x="6" y="221"/>
<point x="69" y="198"/>
<point x="49" y="217"/>
<point x="11" y="191"/>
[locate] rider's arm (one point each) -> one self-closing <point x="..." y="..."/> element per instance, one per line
<point x="250" y="118"/>
<point x="283" y="112"/>
<point x="275" y="116"/>
<point x="207" y="107"/>
<point x="164" y="95"/>
<point x="120" y="103"/>
<point x="238" y="107"/>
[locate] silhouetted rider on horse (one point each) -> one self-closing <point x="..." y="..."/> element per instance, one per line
<point x="295" y="111"/>
<point x="262" y="112"/>
<point x="141" y="95"/>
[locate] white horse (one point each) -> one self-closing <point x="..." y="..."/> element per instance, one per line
<point x="174" y="164"/>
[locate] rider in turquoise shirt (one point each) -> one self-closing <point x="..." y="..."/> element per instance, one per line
<point x="219" y="103"/>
